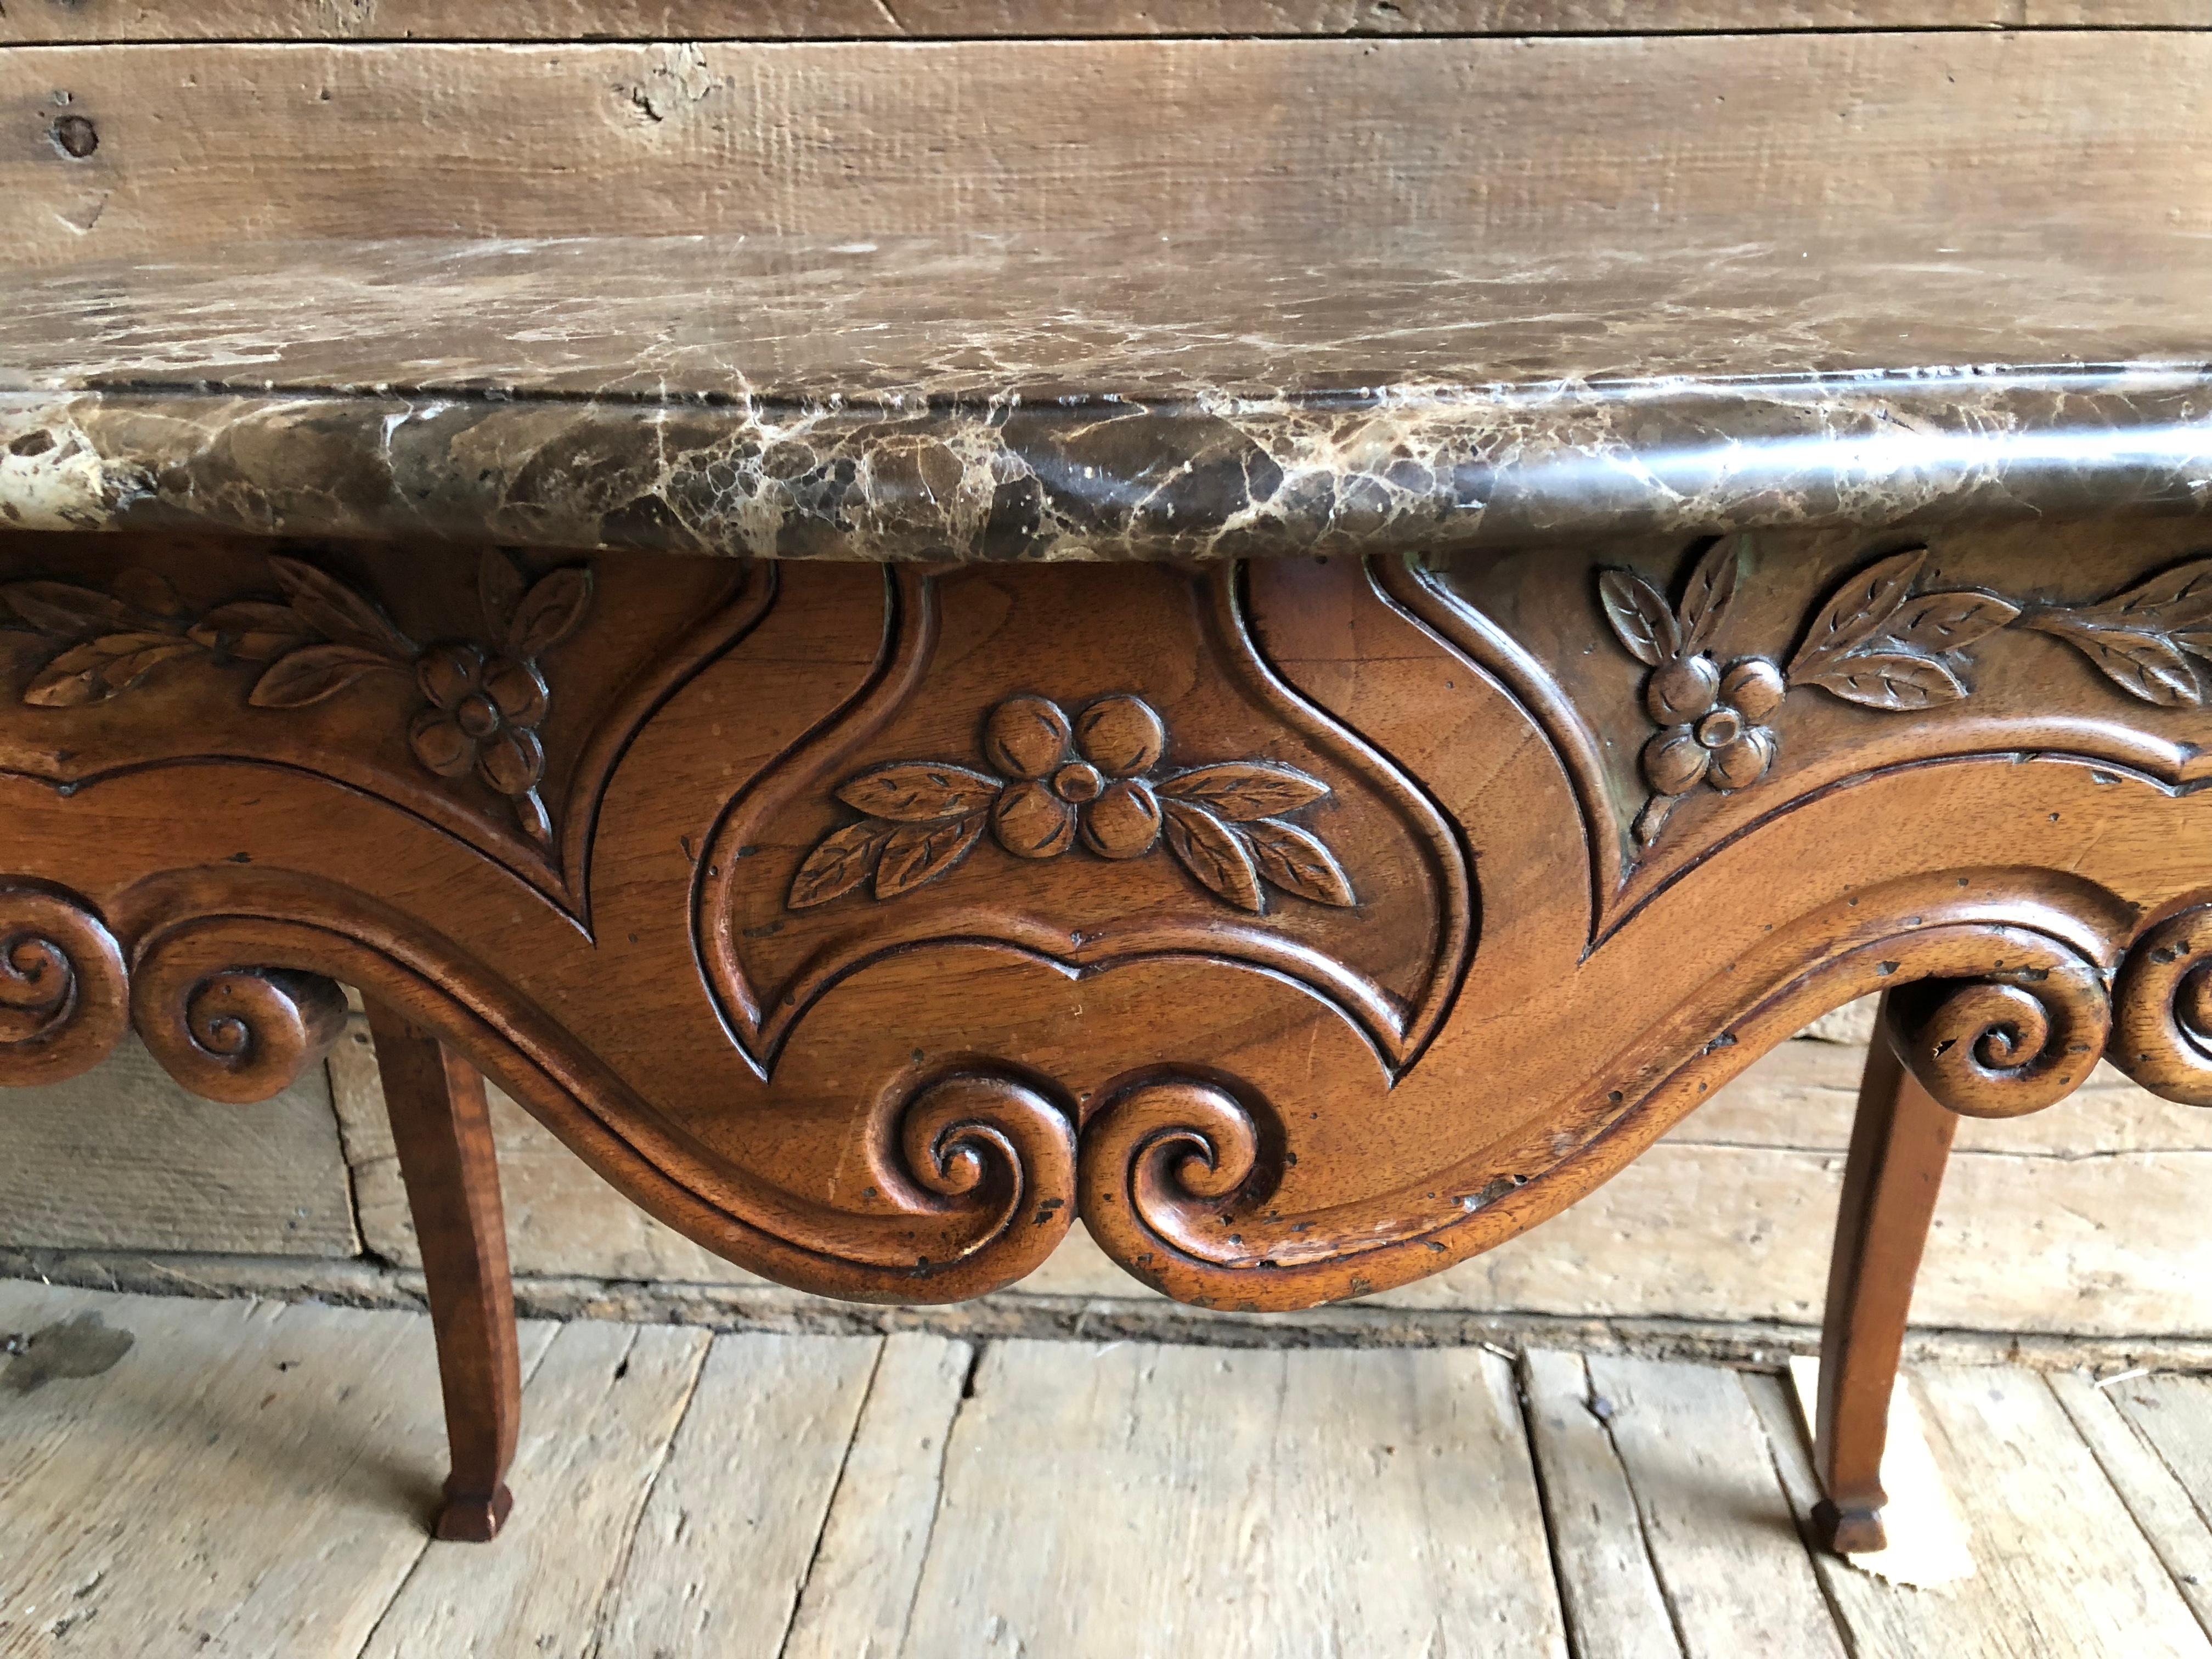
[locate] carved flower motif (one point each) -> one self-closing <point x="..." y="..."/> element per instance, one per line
<point x="483" y="712"/>
<point x="1083" y="776"/>
<point x="1709" y="730"/>
<point x="484" y="702"/>
<point x="1089" y="780"/>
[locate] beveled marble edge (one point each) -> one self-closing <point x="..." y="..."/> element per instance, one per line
<point x="1426" y="470"/>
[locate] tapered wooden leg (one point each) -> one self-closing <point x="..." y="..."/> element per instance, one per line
<point x="1899" y="1144"/>
<point x="442" y="1129"/>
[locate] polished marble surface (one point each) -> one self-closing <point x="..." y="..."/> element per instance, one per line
<point x="1101" y="395"/>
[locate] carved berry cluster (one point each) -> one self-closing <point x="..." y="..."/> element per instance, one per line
<point x="483" y="700"/>
<point x="1878" y="641"/>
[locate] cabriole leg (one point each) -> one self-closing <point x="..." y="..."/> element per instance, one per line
<point x="1900" y="1142"/>
<point x="442" y="1130"/>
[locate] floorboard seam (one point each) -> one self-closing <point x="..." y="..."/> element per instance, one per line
<point x="1062" y="1316"/>
<point x="399" y="1588"/>
<point x="1803" y="1523"/>
<point x="1568" y="1624"/>
<point x="528" y="1373"/>
<point x="937" y="1504"/>
<point x="829" y="1505"/>
<point x="2151" y="1448"/>
<point x="610" y="1594"/>
<point x="1642" y="1516"/>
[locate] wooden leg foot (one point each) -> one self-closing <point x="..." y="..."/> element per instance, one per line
<point x="1849" y="1532"/>
<point x="1900" y="1143"/>
<point x="474" y="1520"/>
<point x="442" y="1130"/>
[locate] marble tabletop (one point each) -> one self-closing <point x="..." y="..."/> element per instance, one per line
<point x="1104" y="396"/>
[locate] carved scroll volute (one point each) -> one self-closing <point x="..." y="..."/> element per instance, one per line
<point x="2162" y="1029"/>
<point x="227" y="1032"/>
<point x="1159" y="1156"/>
<point x="64" y="996"/>
<point x="2021" y="1039"/>
<point x="997" y="1151"/>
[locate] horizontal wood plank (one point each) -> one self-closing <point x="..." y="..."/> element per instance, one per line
<point x="1551" y="145"/>
<point x="93" y="21"/>
<point x="123" y="1157"/>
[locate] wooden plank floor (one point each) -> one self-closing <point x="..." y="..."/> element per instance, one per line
<point x="245" y="1478"/>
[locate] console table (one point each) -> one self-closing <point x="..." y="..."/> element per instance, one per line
<point x="1306" y="750"/>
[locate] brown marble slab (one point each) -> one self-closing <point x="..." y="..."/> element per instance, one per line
<point x="1101" y="396"/>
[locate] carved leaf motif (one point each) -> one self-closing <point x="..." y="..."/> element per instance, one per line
<point x="1242" y="790"/>
<point x="1296" y="862"/>
<point x="331" y="608"/>
<point x="313" y="672"/>
<point x="1890" y="680"/>
<point x="916" y="852"/>
<point x="2142" y="663"/>
<point x="919" y="791"/>
<point x="841" y="861"/>
<point x="63" y="608"/>
<point x="499" y="591"/>
<point x="548" y="612"/>
<point x="1212" y="852"/>
<point x="2177" y="599"/>
<point x="250" y="629"/>
<point x="1856" y="613"/>
<point x="1946" y="621"/>
<point x="1640" y="616"/>
<point x="151" y="591"/>
<point x="98" y="669"/>
<point x="1711" y="590"/>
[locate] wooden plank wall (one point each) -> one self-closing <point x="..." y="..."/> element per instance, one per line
<point x="93" y="21"/>
<point x="2085" y="1221"/>
<point x="1531" y="146"/>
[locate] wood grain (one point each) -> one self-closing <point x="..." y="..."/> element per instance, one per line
<point x="602" y="1406"/>
<point x="2010" y="1463"/>
<point x="138" y="1514"/>
<point x="127" y="1530"/>
<point x="1409" y="1467"/>
<point x="123" y="1157"/>
<point x="87" y="20"/>
<point x="859" y="1596"/>
<point x="1607" y="1585"/>
<point x="1729" y="1563"/>
<point x="750" y="1476"/>
<point x="1553" y="145"/>
<point x="2147" y="1484"/>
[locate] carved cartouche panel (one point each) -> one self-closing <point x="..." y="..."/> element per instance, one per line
<point x="1093" y="778"/>
<point x="478" y="690"/>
